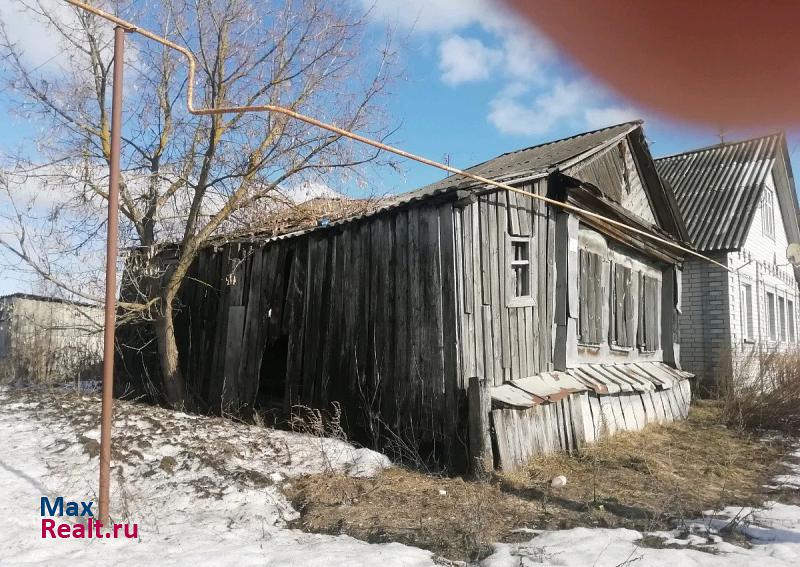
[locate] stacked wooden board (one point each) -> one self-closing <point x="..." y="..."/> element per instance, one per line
<point x="563" y="411"/>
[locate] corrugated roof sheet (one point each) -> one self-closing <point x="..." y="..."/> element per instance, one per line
<point x="601" y="379"/>
<point x="718" y="188"/>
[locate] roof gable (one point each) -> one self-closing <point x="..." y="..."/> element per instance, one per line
<point x="568" y="155"/>
<point x="718" y="188"/>
<point x="535" y="161"/>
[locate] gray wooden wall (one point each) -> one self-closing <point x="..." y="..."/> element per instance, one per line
<point x="367" y="311"/>
<point x="498" y="341"/>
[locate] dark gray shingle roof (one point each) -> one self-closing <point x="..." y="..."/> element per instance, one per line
<point x="718" y="188"/>
<point x="530" y="161"/>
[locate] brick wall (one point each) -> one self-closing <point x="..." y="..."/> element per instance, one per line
<point x="712" y="339"/>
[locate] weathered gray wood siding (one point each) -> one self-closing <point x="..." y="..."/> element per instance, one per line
<point x="368" y="312"/>
<point x="616" y="173"/>
<point x="499" y="341"/>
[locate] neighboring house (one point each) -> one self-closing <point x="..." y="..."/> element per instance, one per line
<point x="739" y="203"/>
<point x="567" y="321"/>
<point x="47" y="340"/>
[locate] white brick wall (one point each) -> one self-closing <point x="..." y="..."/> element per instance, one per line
<point x="712" y="338"/>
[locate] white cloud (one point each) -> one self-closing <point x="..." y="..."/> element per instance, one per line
<point x="37" y="42"/>
<point x="526" y="53"/>
<point x="436" y="15"/>
<point x="511" y="113"/>
<point x="601" y="117"/>
<point x="481" y="40"/>
<point x="463" y="60"/>
<point x="577" y="103"/>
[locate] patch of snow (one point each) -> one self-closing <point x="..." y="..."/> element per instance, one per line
<point x="202" y="490"/>
<point x="773" y="532"/>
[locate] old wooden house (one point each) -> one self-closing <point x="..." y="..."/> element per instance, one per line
<point x="565" y="321"/>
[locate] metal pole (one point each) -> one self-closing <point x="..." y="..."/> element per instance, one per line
<point x="111" y="277"/>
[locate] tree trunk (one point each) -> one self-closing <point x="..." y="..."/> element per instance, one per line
<point x="168" y="356"/>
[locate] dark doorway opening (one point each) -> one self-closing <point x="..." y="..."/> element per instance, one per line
<point x="272" y="377"/>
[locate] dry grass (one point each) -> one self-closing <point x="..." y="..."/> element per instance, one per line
<point x="645" y="481"/>
<point x="765" y="395"/>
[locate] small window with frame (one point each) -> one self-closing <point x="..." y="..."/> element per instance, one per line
<point x="520" y="289"/>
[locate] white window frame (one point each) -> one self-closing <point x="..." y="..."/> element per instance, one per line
<point x="746" y="309"/>
<point x="512" y="299"/>
<point x="772" y="324"/>
<point x="768" y="213"/>
<point x="782" y="319"/>
<point x="790" y="312"/>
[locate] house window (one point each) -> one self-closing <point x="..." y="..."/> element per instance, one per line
<point x="590" y="296"/>
<point x="647" y="335"/>
<point x="520" y="264"/>
<point x="621" y="307"/>
<point x="773" y="335"/>
<point x="782" y="318"/>
<point x="790" y="310"/>
<point x="747" y="312"/>
<point x="768" y="214"/>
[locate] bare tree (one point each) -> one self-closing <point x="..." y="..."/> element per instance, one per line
<point x="185" y="176"/>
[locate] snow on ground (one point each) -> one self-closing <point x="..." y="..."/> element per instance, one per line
<point x="203" y="490"/>
<point x="207" y="491"/>
<point x="771" y="538"/>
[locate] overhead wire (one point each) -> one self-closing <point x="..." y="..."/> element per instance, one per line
<point x="133" y="28"/>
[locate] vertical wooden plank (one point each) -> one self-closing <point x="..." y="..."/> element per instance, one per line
<point x="480" y="442"/>
<point x="488" y="345"/>
<point x="551" y="284"/>
<point x="248" y="365"/>
<point x="464" y="255"/>
<point x="503" y="272"/>
<point x="496" y="272"/>
<point x="232" y="354"/>
<point x="450" y="312"/>
<point x="403" y="354"/>
<point x="541" y="324"/>
<point x="484" y="243"/>
<point x="415" y="388"/>
<point x="511" y="214"/>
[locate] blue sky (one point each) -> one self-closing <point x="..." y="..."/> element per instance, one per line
<point x="470" y="93"/>
<point x="476" y="82"/>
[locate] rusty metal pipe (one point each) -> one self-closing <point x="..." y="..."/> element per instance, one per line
<point x="111" y="277"/>
<point x="368" y="141"/>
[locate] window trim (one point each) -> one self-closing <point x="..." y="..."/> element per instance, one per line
<point x="513" y="300"/>
<point x="746" y="309"/>
<point x="790" y="315"/>
<point x="768" y="213"/>
<point x="772" y="324"/>
<point x="781" y="319"/>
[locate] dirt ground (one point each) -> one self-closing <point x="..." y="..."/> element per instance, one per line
<point x="647" y="480"/>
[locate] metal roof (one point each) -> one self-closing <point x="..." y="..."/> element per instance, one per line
<point x="719" y="187"/>
<point x="602" y="379"/>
